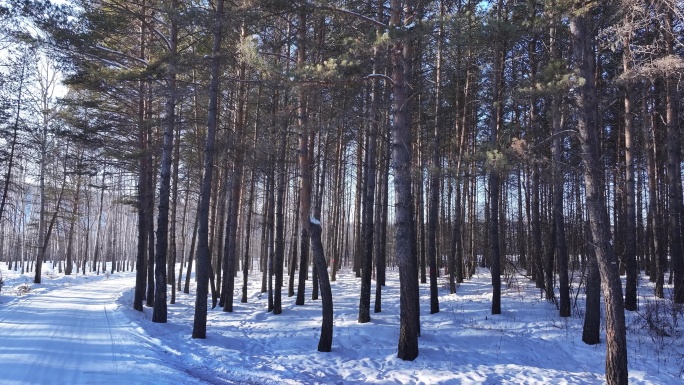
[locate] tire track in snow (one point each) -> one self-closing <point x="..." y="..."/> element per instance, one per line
<point x="75" y="335"/>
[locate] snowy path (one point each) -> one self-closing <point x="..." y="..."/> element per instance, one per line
<point x="81" y="329"/>
<point x="78" y="335"/>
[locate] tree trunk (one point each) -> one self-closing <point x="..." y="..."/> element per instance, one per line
<point x="141" y="204"/>
<point x="279" y="256"/>
<point x="358" y="248"/>
<point x="630" y="237"/>
<point x="537" y="249"/>
<point x="304" y="166"/>
<point x="435" y="173"/>
<point x="171" y="268"/>
<point x="96" y="255"/>
<point x="368" y="206"/>
<point x="41" y="220"/>
<point x="199" y="329"/>
<point x="674" y="169"/>
<point x="293" y="259"/>
<point x="13" y="142"/>
<point x="558" y="182"/>
<point x="550" y="295"/>
<point x="325" y="341"/>
<point x="381" y="227"/>
<point x="48" y="232"/>
<point x="592" y="314"/>
<point x="401" y="165"/>
<point x="494" y="177"/>
<point x="159" y="313"/>
<point x="616" y="344"/>
<point x="655" y="210"/>
<point x="68" y="268"/>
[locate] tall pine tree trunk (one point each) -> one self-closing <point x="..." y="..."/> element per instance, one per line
<point x="368" y="205"/>
<point x="494" y="177"/>
<point x="592" y="314"/>
<point x="141" y="204"/>
<point x="304" y="165"/>
<point x="674" y="168"/>
<point x="171" y="263"/>
<point x="68" y="268"/>
<point x="630" y="238"/>
<point x="435" y="173"/>
<point x="401" y="165"/>
<point x="558" y="183"/>
<point x="199" y="328"/>
<point x="159" y="313"/>
<point x="616" y="343"/>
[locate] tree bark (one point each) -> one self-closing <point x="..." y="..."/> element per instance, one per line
<point x="401" y="165"/>
<point x="141" y="204"/>
<point x="655" y="210"/>
<point x="325" y="341"/>
<point x="435" y="173"/>
<point x="199" y="329"/>
<point x="494" y="177"/>
<point x="304" y="165"/>
<point x="279" y="256"/>
<point x="630" y="237"/>
<point x="68" y="268"/>
<point x="96" y="254"/>
<point x="674" y="168"/>
<point x="558" y="182"/>
<point x="592" y="315"/>
<point x="171" y="263"/>
<point x="159" y="313"/>
<point x="13" y="142"/>
<point x="616" y="344"/>
<point x="368" y="206"/>
<point x="381" y="227"/>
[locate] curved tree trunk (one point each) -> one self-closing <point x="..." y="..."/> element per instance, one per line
<point x="325" y="341"/>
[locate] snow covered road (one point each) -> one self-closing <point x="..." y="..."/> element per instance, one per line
<point x="78" y="335"/>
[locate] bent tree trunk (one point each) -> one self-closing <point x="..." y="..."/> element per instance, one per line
<point x="325" y="342"/>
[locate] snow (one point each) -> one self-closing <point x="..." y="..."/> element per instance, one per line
<point x="82" y="329"/>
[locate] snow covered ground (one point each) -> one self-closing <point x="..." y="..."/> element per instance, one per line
<point x="82" y="329"/>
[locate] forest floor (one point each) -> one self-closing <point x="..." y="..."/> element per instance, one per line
<point x="46" y="338"/>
